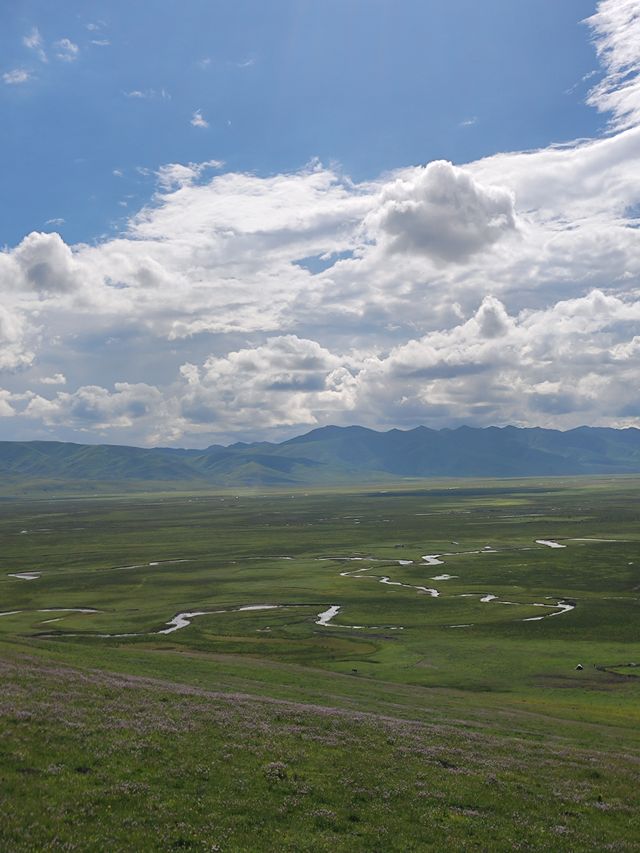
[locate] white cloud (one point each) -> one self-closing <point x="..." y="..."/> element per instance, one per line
<point x="175" y="175"/>
<point x="93" y="407"/>
<point x="66" y="50"/>
<point x="441" y="211"/>
<point x="101" y="42"/>
<point x="56" y="379"/>
<point x="148" y="94"/>
<point x="34" y="42"/>
<point x="386" y="333"/>
<point x="14" y="350"/>
<point x="560" y="366"/>
<point x="43" y="262"/>
<point x="58" y="220"/>
<point x="286" y="381"/>
<point x="574" y="362"/>
<point x="6" y="409"/>
<point x="616" y="34"/>
<point x="585" y="77"/>
<point x="198" y="120"/>
<point x="17" y="76"/>
<point x="504" y="290"/>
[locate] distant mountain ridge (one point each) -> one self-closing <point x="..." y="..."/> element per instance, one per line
<point x="334" y="455"/>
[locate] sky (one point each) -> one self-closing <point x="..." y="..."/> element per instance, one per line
<point x="236" y="220"/>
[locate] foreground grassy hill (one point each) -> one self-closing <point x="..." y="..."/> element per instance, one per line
<point x="360" y="711"/>
<point x="101" y="761"/>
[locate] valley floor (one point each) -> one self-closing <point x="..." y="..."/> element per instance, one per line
<point x="416" y="687"/>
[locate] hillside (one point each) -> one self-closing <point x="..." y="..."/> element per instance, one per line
<point x="334" y="455"/>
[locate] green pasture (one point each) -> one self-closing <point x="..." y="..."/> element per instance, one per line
<point x="478" y="668"/>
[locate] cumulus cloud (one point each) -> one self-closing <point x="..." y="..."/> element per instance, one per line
<point x="286" y="381"/>
<point x="14" y="351"/>
<point x="443" y="212"/>
<point x="6" y="409"/>
<point x="379" y="335"/>
<point x="174" y="175"/>
<point x="560" y="366"/>
<point x="94" y="407"/>
<point x="56" y="379"/>
<point x="575" y="362"/>
<point x="45" y="263"/>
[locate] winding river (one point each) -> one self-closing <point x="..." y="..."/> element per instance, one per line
<point x="325" y="619"/>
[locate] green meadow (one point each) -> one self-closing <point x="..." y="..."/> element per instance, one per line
<point x="338" y="691"/>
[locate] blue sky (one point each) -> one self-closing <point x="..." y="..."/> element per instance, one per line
<point x="370" y="84"/>
<point x="242" y="220"/>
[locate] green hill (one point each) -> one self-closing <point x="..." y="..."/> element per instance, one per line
<point x="335" y="455"/>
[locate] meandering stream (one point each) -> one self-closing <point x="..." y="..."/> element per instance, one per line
<point x="325" y="619"/>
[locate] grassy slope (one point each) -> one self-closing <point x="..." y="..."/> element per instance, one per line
<point x="487" y="736"/>
<point x="327" y="455"/>
<point x="99" y="762"/>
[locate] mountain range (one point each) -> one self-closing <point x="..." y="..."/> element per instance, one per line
<point x="333" y="455"/>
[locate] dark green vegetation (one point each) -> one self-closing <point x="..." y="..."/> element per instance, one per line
<point x="264" y="730"/>
<point x="328" y="455"/>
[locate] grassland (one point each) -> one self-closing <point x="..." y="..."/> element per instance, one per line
<point x="264" y="730"/>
